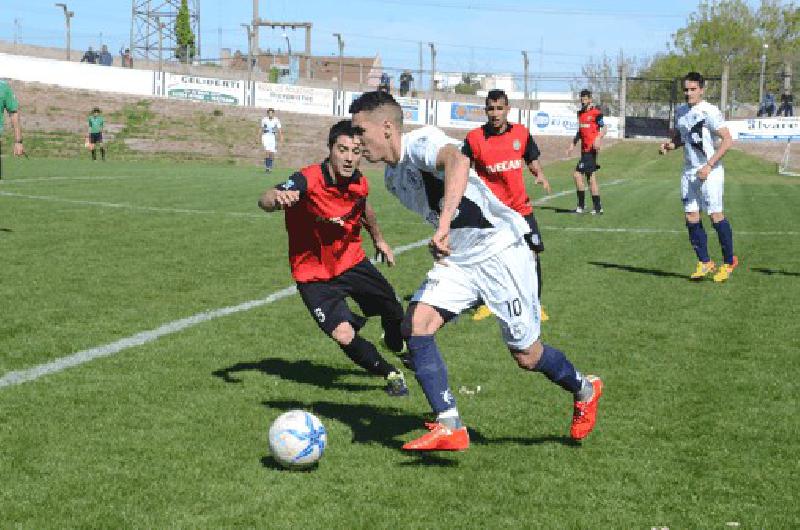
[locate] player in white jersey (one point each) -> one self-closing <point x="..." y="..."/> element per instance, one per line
<point x="480" y="254"/>
<point x="270" y="132"/>
<point x="700" y="128"/>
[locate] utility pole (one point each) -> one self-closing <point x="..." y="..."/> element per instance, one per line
<point x="525" y="77"/>
<point x="418" y="82"/>
<point x="433" y="69"/>
<point x="623" y="94"/>
<point x="17" y="24"/>
<point x="250" y="33"/>
<point x="67" y="17"/>
<point x="341" y="58"/>
<point x="161" y="27"/>
<point x="256" y="20"/>
<point x="723" y="97"/>
<point x="763" y="71"/>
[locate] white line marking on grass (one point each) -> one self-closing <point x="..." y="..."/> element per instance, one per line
<point x="50" y="179"/>
<point x="124" y="206"/>
<point x="656" y="231"/>
<point x="567" y="192"/>
<point x="23" y="376"/>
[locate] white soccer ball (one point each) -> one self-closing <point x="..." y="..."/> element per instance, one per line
<point x="297" y="439"/>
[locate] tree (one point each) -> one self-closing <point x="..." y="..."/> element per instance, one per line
<point x="467" y="86"/>
<point x="184" y="37"/>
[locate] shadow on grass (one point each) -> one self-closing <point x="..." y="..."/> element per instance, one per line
<point x="558" y="210"/>
<point x="304" y="372"/>
<point x="771" y="272"/>
<point x="640" y="270"/>
<point x="9" y="230"/>
<point x="270" y="463"/>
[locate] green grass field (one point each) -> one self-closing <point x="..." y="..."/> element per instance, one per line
<point x="696" y="429"/>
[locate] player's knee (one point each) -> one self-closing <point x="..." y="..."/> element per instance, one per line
<point x="422" y="319"/>
<point x="693" y="217"/>
<point x="528" y="358"/>
<point x="343" y="334"/>
<point x="717" y="217"/>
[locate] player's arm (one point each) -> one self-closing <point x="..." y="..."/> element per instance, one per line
<point x="601" y="133"/>
<point x="456" y="170"/>
<point x="19" y="149"/>
<point x="531" y="158"/>
<point x="673" y="143"/>
<point x="725" y="144"/>
<point x="575" y="140"/>
<point x="284" y="195"/>
<point x="280" y="133"/>
<point x="383" y="252"/>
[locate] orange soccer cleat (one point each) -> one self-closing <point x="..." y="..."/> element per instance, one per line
<point x="585" y="413"/>
<point x="440" y="438"/>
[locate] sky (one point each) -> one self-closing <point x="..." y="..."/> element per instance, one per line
<point x="480" y="36"/>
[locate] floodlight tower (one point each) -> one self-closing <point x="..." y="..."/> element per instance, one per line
<point x="146" y="30"/>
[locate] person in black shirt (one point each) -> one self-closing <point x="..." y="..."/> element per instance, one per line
<point x="787" y="102"/>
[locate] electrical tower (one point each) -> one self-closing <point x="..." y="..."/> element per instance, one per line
<point x="148" y="17"/>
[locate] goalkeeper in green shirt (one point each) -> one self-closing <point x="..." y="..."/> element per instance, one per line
<point x="96" y="124"/>
<point x="8" y="103"/>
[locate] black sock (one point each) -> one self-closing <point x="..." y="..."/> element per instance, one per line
<point x="596" y="202"/>
<point x="94" y="154"/>
<point x="364" y="354"/>
<point x="103" y="152"/>
<point x="581" y="198"/>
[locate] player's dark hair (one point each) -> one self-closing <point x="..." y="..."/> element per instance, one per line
<point x="496" y="95"/>
<point x="341" y="128"/>
<point x="372" y="101"/>
<point x="270" y="109"/>
<point x="96" y="109"/>
<point x="697" y="77"/>
<point x="586" y="93"/>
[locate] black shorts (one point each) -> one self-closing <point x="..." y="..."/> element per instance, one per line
<point x="534" y="238"/>
<point x="96" y="138"/>
<point x="363" y="283"/>
<point x="588" y="163"/>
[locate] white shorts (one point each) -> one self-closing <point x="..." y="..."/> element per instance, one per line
<point x="506" y="283"/>
<point x="702" y="195"/>
<point x="268" y="141"/>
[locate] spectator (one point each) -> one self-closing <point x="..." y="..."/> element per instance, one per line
<point x="89" y="57"/>
<point x="767" y="105"/>
<point x="385" y="84"/>
<point x="127" y="58"/>
<point x="787" y="104"/>
<point x="104" y="57"/>
<point x="405" y="82"/>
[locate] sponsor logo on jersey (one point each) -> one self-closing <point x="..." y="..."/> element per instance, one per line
<point x="505" y="165"/>
<point x="516" y="145"/>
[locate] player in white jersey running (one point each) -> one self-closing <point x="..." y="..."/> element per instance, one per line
<point x="480" y="254"/>
<point x="700" y="128"/>
<point x="270" y="129"/>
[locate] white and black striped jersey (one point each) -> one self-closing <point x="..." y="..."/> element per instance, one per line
<point x="482" y="225"/>
<point x="699" y="127"/>
<point x="270" y="126"/>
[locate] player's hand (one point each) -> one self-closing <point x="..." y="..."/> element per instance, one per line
<point x="383" y="253"/>
<point x="287" y="198"/>
<point x="439" y="245"/>
<point x="666" y="146"/>
<point x="569" y="149"/>
<point x="703" y="172"/>
<point x="19" y="149"/>
<point x="541" y="179"/>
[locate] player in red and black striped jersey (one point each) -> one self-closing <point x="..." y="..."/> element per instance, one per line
<point x="498" y="151"/>
<point x="325" y="206"/>
<point x="591" y="130"/>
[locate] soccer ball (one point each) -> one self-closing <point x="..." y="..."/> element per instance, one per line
<point x="297" y="439"/>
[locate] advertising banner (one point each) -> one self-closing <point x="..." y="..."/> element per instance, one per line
<point x="294" y="98"/>
<point x="765" y="129"/>
<point x="414" y="109"/>
<point x="195" y="88"/>
<point x="545" y="123"/>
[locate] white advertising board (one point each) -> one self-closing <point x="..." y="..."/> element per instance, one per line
<point x="545" y="123"/>
<point x="77" y="75"/>
<point x="294" y="98"/>
<point x="467" y="115"/>
<point x="209" y="89"/>
<point x="765" y="129"/>
<point x="414" y="109"/>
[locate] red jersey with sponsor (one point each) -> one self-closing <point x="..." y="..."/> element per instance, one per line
<point x="500" y="158"/>
<point x="590" y="121"/>
<point x="319" y="248"/>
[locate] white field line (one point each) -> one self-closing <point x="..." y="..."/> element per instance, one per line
<point x="124" y="206"/>
<point x="31" y="374"/>
<point x="567" y="192"/>
<point x="657" y="231"/>
<point x="97" y="177"/>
